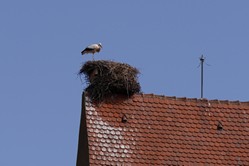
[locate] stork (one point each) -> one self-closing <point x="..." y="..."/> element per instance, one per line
<point x="93" y="48"/>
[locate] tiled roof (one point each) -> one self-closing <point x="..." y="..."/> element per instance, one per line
<point x="157" y="130"/>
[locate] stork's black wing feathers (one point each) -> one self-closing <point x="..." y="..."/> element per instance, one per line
<point x="86" y="50"/>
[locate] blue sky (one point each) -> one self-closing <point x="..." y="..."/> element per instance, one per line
<point x="40" y="55"/>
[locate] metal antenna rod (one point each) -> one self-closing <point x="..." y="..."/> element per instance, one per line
<point x="202" y="59"/>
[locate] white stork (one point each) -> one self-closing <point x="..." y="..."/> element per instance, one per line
<point x="93" y="48"/>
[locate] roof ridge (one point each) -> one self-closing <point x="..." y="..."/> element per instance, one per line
<point x="152" y="95"/>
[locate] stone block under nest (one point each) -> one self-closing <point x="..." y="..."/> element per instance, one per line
<point x="107" y="78"/>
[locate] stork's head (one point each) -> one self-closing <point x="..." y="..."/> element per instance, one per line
<point x="100" y="45"/>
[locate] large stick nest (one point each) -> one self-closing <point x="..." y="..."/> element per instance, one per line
<point x="106" y="78"/>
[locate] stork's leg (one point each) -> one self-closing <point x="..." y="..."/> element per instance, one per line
<point x="93" y="57"/>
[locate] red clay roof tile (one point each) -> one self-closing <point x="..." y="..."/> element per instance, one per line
<point x="167" y="131"/>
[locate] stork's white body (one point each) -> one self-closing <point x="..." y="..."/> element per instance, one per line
<point x="93" y="48"/>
